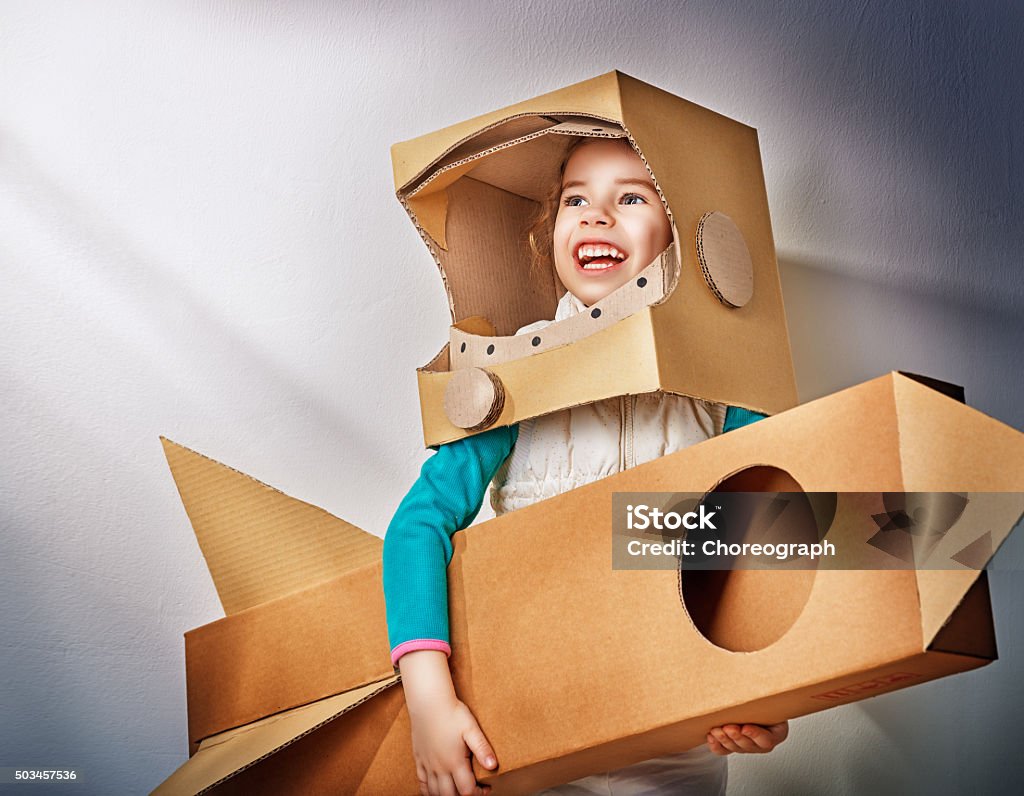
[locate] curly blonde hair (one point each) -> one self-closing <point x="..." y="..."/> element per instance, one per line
<point x="540" y="233"/>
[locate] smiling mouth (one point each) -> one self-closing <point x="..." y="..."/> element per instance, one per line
<point x="596" y="257"/>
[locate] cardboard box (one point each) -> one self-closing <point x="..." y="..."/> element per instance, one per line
<point x="707" y="321"/>
<point x="303" y="681"/>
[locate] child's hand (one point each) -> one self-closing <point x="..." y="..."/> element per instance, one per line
<point x="444" y="737"/>
<point x="746" y="738"/>
<point x="445" y="734"/>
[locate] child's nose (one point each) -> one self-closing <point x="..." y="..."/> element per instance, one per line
<point x="595" y="214"/>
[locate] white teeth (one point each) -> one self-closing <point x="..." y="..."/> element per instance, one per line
<point x="592" y="252"/>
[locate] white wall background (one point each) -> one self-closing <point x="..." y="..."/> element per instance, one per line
<point x="198" y="238"/>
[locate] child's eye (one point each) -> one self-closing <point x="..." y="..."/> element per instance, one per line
<point x="574" y="201"/>
<point x="633" y="199"/>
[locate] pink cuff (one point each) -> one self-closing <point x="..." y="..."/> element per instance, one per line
<point x="419" y="644"/>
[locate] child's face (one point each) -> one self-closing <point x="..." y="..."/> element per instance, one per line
<point x="610" y="223"/>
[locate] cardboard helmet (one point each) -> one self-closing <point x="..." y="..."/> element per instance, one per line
<point x="704" y="320"/>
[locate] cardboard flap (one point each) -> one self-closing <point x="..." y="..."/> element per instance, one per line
<point x="411" y="159"/>
<point x="259" y="543"/>
<point x="947" y="447"/>
<point x="950" y="560"/>
<point x="429" y="213"/>
<point x="224" y="755"/>
<point x="537" y="153"/>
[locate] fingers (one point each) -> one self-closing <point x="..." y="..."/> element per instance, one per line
<point x="479" y="746"/>
<point x="446" y="786"/>
<point x="465" y="781"/>
<point x="457" y="778"/>
<point x="716" y="747"/>
<point x="723" y="741"/>
<point x="742" y="742"/>
<point x="731" y="738"/>
<point x="750" y="738"/>
<point x="780" y="731"/>
<point x="460" y="782"/>
<point x="760" y="736"/>
<point x="441" y="785"/>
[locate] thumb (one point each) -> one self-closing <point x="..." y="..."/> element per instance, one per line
<point x="780" y="731"/>
<point x="479" y="746"/>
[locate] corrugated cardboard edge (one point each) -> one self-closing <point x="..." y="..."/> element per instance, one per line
<point x="432" y="215"/>
<point x="598" y="95"/>
<point x="222" y="756"/>
<point x="258" y="542"/>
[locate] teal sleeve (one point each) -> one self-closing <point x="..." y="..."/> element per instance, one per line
<point x="417" y="546"/>
<point x="735" y="417"/>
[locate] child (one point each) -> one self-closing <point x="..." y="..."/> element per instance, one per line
<point x="609" y="225"/>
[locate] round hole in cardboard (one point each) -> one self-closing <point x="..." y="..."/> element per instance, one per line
<point x="745" y="603"/>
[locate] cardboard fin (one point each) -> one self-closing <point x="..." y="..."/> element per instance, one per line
<point x="224" y="755"/>
<point x="259" y="543"/>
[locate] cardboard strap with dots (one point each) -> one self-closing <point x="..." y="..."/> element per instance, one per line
<point x="472" y="343"/>
<point x="724" y="259"/>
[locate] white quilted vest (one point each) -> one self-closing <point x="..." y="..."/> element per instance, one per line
<point x="566" y="449"/>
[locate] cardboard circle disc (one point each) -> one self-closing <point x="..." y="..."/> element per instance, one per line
<point x="474" y="398"/>
<point x="724" y="259"/>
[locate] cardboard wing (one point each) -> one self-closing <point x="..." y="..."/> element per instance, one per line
<point x="572" y="667"/>
<point x="706" y="321"/>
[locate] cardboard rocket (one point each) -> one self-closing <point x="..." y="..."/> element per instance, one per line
<point x="570" y="666"/>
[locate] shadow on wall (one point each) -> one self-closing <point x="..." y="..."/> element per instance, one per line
<point x="844" y="330"/>
<point x="921" y="94"/>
